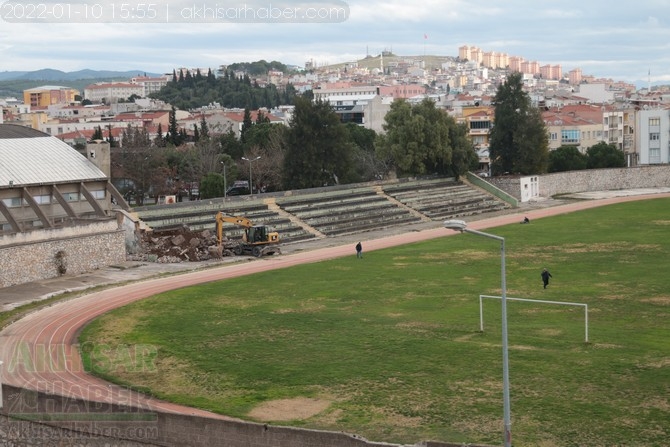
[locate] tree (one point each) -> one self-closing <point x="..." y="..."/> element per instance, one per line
<point x="267" y="141"/>
<point x="174" y="136"/>
<point x="603" y="155"/>
<point x="143" y="166"/>
<point x="261" y="117"/>
<point x="566" y="158"/>
<point x="97" y="134"/>
<point x="212" y="185"/>
<point x="463" y="155"/>
<point x="231" y="145"/>
<point x="318" y="152"/>
<point x="196" y="133"/>
<point x="367" y="165"/>
<point x="110" y="137"/>
<point x="422" y="139"/>
<point x="159" y="141"/>
<point x="246" y="124"/>
<point x="204" y="128"/>
<point x="519" y="142"/>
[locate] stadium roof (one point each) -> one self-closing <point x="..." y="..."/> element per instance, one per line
<point x="31" y="157"/>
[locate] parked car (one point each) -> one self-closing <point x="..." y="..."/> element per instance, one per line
<point x="239" y="188"/>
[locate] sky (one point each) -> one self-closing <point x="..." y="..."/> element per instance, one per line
<point x="623" y="41"/>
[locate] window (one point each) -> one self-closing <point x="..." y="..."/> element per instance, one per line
<point x="654" y="136"/>
<point x="71" y="196"/>
<point x="13" y="202"/>
<point x="480" y="124"/>
<point x="654" y="156"/>
<point x="654" y="122"/>
<point x="43" y="199"/>
<point x="98" y="194"/>
<point x="570" y="136"/>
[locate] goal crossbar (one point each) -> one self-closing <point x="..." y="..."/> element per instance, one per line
<point x="563" y="303"/>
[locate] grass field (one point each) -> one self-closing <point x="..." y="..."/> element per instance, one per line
<point x="389" y="346"/>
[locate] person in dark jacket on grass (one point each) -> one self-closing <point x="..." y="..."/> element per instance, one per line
<point x="545" y="277"/>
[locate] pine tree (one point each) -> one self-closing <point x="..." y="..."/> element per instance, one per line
<point x="196" y="133"/>
<point x="204" y="129"/>
<point x="318" y="150"/>
<point x="159" y="141"/>
<point x="97" y="134"/>
<point x="519" y="142"/>
<point x="246" y="124"/>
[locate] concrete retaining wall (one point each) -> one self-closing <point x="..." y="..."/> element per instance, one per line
<point x="591" y="180"/>
<point x="42" y="254"/>
<point x="98" y="424"/>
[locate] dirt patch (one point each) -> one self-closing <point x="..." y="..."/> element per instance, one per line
<point x="289" y="409"/>
<point x="660" y="300"/>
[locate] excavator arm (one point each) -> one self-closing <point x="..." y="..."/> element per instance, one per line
<point x="235" y="220"/>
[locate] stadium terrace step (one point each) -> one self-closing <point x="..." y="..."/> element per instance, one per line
<point x="334" y="211"/>
<point x="362" y="226"/>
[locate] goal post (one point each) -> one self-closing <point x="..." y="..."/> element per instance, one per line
<point x="560" y="303"/>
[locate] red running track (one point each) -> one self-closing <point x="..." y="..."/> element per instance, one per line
<point x="40" y="352"/>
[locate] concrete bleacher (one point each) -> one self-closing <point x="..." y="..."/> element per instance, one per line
<point x="200" y="215"/>
<point x="333" y="211"/>
<point x="347" y="211"/>
<point x="444" y="198"/>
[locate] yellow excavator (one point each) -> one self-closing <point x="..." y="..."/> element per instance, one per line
<point x="257" y="240"/>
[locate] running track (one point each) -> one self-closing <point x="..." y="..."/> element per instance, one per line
<point x="40" y="353"/>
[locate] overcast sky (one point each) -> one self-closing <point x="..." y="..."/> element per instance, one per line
<point x="627" y="41"/>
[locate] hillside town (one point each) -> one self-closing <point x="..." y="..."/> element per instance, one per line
<point x="578" y="109"/>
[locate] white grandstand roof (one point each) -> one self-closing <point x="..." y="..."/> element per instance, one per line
<point x="29" y="157"/>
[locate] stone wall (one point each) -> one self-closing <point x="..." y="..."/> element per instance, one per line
<point x="43" y="254"/>
<point x="591" y="180"/>
<point x="29" y="418"/>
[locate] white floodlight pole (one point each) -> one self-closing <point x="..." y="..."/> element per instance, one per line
<point x="225" y="186"/>
<point x="460" y="225"/>
<point x="251" y="184"/>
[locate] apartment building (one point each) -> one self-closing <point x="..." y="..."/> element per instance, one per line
<point x="618" y="129"/>
<point x="48" y="95"/>
<point x="574" y="125"/>
<point x="652" y="136"/>
<point x="111" y="92"/>
<point x="150" y="85"/>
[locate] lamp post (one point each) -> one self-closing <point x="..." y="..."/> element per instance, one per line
<point x="1" y="384"/>
<point x="251" y="184"/>
<point x="225" y="186"/>
<point x="459" y="225"/>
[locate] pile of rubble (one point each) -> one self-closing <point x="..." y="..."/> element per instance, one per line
<point x="178" y="245"/>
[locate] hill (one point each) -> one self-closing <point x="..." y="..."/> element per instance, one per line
<point x="49" y="74"/>
<point x="13" y="83"/>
